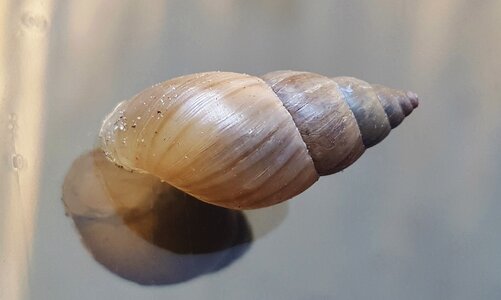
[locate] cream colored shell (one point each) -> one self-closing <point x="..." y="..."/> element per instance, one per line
<point x="224" y="138"/>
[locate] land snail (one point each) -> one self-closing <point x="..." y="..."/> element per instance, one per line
<point x="245" y="142"/>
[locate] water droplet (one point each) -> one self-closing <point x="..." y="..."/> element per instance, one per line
<point x="120" y="124"/>
<point x="139" y="118"/>
<point x="17" y="161"/>
<point x="34" y="22"/>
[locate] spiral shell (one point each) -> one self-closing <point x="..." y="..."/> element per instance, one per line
<point x="243" y="142"/>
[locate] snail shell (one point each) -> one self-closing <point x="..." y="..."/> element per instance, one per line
<point x="244" y="142"/>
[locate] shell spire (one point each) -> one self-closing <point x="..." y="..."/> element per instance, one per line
<point x="319" y="106"/>
<point x="397" y="104"/>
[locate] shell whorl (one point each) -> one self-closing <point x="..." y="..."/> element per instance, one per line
<point x="243" y="142"/>
<point x="339" y="117"/>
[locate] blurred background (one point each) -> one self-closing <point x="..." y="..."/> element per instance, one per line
<point x="417" y="217"/>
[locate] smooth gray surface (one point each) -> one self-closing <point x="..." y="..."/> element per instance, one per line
<point x="417" y="217"/>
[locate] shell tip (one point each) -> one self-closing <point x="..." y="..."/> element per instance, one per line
<point x="414" y="99"/>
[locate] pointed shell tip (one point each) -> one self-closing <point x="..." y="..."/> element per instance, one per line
<point x="413" y="97"/>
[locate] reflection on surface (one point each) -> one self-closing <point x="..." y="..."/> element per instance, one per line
<point x="179" y="239"/>
<point x="146" y="231"/>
